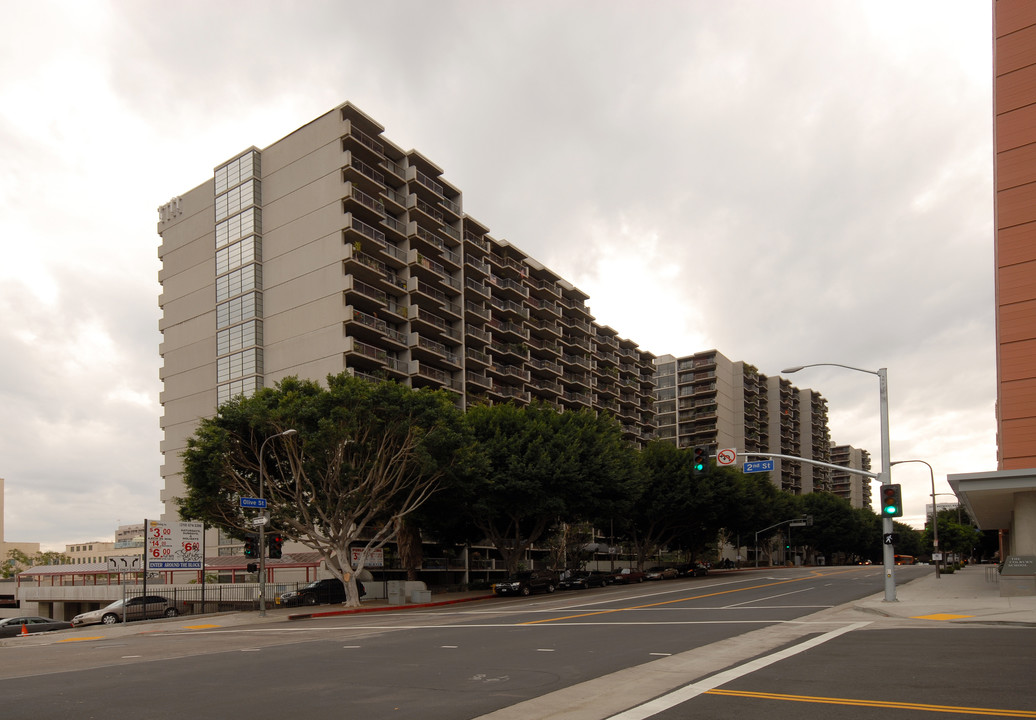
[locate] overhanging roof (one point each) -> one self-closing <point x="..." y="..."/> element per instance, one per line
<point x="989" y="496"/>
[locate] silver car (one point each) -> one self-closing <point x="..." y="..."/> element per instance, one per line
<point x="151" y="606"/>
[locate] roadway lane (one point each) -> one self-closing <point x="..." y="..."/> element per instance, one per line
<point x="434" y="664"/>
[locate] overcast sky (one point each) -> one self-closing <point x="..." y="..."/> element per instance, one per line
<point x="786" y="182"/>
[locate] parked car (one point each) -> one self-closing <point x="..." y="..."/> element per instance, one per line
<point x="625" y="576"/>
<point x="527" y="582"/>
<point x="583" y="579"/>
<point x="10" y="627"/>
<point x="660" y="573"/>
<point x="320" y="592"/>
<point x="698" y="568"/>
<point x="137" y="608"/>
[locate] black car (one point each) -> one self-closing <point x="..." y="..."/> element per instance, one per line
<point x="320" y="592"/>
<point x="9" y="627"/>
<point x="583" y="579"/>
<point x="527" y="582"/>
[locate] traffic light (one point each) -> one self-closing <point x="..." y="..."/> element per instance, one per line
<point x="700" y="462"/>
<point x="891" y="501"/>
<point x="252" y="567"/>
<point x="251" y="546"/>
<point x="275" y="541"/>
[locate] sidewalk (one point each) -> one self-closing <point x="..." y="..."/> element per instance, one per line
<point x="971" y="595"/>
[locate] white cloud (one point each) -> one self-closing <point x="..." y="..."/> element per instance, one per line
<point x="782" y="190"/>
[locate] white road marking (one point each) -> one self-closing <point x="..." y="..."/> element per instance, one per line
<point x="689" y="692"/>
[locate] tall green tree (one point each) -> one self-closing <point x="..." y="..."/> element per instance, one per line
<point x="364" y="457"/>
<point x="536" y="467"/>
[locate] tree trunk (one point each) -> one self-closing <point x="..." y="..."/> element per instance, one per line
<point x="408" y="539"/>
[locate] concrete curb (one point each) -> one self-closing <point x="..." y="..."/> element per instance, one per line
<point x="386" y="608"/>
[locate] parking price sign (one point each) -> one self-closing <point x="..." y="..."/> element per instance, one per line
<point x="174" y="545"/>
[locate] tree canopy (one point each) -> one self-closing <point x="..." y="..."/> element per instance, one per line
<point x="364" y="456"/>
<point x="536" y="467"/>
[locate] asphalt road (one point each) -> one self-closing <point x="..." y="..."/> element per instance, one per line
<point x="579" y="655"/>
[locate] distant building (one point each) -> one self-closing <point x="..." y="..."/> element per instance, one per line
<point x="851" y="486"/>
<point x="708" y="400"/>
<point x="89" y="552"/>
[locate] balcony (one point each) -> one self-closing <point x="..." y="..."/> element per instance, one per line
<point x="479" y="310"/>
<point x="511" y="392"/>
<point x="393" y="168"/>
<point x="423" y="375"/>
<point x="478" y="379"/>
<point x="422" y="347"/>
<point x="472" y="332"/>
<point x="357" y="231"/>
<point x="513" y="351"/>
<point x="356" y="200"/>
<point x="476" y="241"/>
<point x="507" y="330"/>
<point x="357" y="138"/>
<point x="476" y="287"/>
<point x="508" y="307"/>
<point x="357" y="171"/>
<point x="424" y="320"/>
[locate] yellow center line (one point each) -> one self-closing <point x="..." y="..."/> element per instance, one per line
<point x="876" y="703"/>
<point x="812" y="576"/>
<point x="81" y="639"/>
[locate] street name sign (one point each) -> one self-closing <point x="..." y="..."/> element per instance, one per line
<point x="757" y="466"/>
<point x="253" y="502"/>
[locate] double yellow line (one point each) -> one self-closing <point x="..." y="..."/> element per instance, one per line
<point x="875" y="703"/>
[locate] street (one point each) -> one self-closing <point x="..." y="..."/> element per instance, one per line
<point x="781" y="638"/>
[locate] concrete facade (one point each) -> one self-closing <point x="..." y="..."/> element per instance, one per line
<point x="335" y="250"/>
<point x="708" y="400"/>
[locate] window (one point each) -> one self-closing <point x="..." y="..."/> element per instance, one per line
<point x="241" y="253"/>
<point x="249" y="277"/>
<point x="236" y="171"/>
<point x="239" y="226"/>
<point x="239" y="337"/>
<point x="236" y="200"/>
<point x="246" y="386"/>
<point x="231" y="367"/>
<point x="240" y="308"/>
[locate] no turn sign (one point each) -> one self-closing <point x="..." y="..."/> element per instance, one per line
<point x="726" y="457"/>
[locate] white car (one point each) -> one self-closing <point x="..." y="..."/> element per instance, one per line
<point x="138" y="608"/>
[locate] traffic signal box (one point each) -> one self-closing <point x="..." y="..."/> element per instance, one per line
<point x="891" y="501"/>
<point x="700" y="463"/>
<point x="274" y="542"/>
<point x="252" y="546"/>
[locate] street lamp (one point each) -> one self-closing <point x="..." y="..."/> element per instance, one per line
<point x="935" y="519"/>
<point x="888" y="553"/>
<point x="262" y="527"/>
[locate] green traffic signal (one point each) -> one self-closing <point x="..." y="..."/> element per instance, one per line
<point x="892" y="500"/>
<point x="700" y="462"/>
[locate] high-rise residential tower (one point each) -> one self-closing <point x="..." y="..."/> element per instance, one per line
<point x="708" y="400"/>
<point x="335" y="250"/>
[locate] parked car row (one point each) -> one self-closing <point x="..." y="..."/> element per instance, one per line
<point x="528" y="582"/>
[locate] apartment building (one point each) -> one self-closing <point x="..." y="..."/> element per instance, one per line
<point x="854" y="488"/>
<point x="708" y="400"/>
<point x="334" y="250"/>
